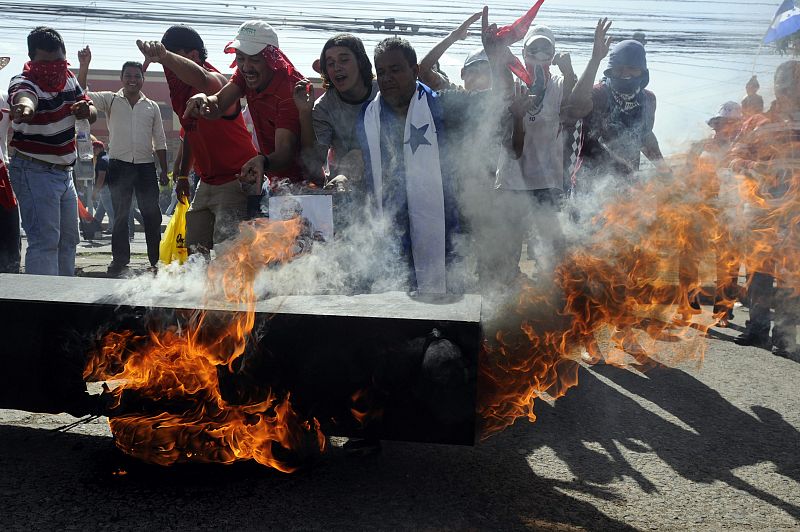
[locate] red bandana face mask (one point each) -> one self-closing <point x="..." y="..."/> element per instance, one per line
<point x="50" y="76"/>
<point x="275" y="58"/>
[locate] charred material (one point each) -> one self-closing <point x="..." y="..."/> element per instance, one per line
<point x="381" y="365"/>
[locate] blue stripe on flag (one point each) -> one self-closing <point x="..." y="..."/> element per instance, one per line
<point x="786" y="22"/>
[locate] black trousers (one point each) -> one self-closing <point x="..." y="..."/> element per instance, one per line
<point x="10" y="243"/>
<point x="125" y="179"/>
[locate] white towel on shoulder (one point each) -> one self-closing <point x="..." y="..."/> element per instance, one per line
<point x="424" y="191"/>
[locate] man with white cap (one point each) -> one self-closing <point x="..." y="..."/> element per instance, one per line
<point x="726" y="125"/>
<point x="706" y="173"/>
<point x="266" y="77"/>
<point x="530" y="177"/>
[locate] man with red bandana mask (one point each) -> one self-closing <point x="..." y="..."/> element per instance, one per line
<point x="45" y="101"/>
<point x="215" y="151"/>
<point x="267" y="78"/>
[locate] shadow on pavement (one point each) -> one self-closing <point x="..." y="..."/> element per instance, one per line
<point x="724" y="437"/>
<point x="62" y="480"/>
<point x="68" y="480"/>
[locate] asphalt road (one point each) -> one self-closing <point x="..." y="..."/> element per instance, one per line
<point x="708" y="448"/>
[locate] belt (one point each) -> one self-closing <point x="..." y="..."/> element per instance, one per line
<point x="62" y="167"/>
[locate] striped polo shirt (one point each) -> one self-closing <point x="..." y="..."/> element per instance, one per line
<point x="50" y="136"/>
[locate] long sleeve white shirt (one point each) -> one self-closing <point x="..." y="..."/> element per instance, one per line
<point x="134" y="132"/>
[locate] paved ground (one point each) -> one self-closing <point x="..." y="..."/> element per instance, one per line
<point x="709" y="448"/>
<point x="676" y="449"/>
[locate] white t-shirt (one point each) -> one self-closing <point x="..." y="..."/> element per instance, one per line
<point x="541" y="165"/>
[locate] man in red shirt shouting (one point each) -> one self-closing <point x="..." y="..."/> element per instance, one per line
<point x="217" y="151"/>
<point x="267" y="78"/>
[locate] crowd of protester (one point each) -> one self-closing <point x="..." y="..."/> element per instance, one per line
<point x="391" y="134"/>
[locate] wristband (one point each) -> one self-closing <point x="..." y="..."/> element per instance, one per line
<point x="183" y="177"/>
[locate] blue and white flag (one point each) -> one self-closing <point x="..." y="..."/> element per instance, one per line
<point x="786" y="22"/>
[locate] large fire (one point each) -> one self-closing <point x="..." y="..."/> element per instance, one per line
<point x="179" y="370"/>
<point x="625" y="295"/>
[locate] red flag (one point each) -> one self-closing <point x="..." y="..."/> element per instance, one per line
<point x="83" y="212"/>
<point x="514" y="32"/>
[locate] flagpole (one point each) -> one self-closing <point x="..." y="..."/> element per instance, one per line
<point x="761" y="42"/>
<point x="758" y="53"/>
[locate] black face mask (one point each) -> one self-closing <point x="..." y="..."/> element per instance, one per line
<point x="626" y="85"/>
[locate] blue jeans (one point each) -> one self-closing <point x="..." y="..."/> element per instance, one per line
<point x="105" y="207"/>
<point x="48" y="206"/>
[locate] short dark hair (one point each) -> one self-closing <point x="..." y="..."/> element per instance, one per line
<point x="355" y="45"/>
<point x="131" y="64"/>
<point x="182" y="37"/>
<point x="44" y="38"/>
<point x="397" y="43"/>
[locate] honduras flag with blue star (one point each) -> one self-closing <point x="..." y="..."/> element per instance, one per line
<point x="786" y="22"/>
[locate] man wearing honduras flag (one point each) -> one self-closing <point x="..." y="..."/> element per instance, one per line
<point x="409" y="138"/>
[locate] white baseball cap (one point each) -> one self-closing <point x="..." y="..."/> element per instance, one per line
<point x="728" y="111"/>
<point x="252" y="37"/>
<point x="539" y="32"/>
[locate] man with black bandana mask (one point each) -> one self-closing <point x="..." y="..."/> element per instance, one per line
<point x="618" y="112"/>
<point x="767" y="154"/>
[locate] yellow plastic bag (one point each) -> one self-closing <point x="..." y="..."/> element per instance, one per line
<point x="173" y="243"/>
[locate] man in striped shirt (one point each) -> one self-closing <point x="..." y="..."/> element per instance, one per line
<point x="45" y="101"/>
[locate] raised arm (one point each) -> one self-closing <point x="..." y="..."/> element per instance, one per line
<point x="580" y="102"/>
<point x="84" y="59"/>
<point x="499" y="57"/>
<point x="184" y="68"/>
<point x="426" y="73"/>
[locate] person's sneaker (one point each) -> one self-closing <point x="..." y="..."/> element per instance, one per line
<point x="756" y="340"/>
<point x="362" y="447"/>
<point x="115" y="269"/>
<point x="153" y="270"/>
<point x="590" y="359"/>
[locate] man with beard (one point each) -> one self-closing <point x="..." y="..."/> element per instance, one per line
<point x="216" y="151"/>
<point x="266" y="77"/>
<point x="46" y="99"/>
<point x="135" y="131"/>
<point x="766" y="152"/>
<point x="619" y="113"/>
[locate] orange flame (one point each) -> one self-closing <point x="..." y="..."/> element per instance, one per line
<point x="618" y="289"/>
<point x="364" y="410"/>
<point x="179" y="367"/>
